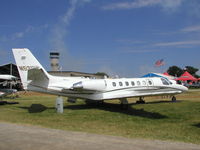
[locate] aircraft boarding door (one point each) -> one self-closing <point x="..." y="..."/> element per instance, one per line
<point x="105" y="83"/>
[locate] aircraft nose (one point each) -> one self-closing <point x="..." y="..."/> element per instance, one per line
<point x="184" y="88"/>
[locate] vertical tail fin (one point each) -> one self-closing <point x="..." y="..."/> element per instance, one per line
<point x="27" y="63"/>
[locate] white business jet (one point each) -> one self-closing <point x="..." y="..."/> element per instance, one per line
<point x="35" y="78"/>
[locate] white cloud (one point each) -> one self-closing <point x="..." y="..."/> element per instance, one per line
<point x="165" y="4"/>
<point x="22" y="34"/>
<point x="140" y="51"/>
<point x="131" y="5"/>
<point x="171" y="4"/>
<point x="130" y="41"/>
<point x="194" y="8"/>
<point x="59" y="33"/>
<point x="70" y="12"/>
<point x="191" y="29"/>
<point x="18" y="35"/>
<point x="179" y="43"/>
<point x="189" y="7"/>
<point x="60" y="30"/>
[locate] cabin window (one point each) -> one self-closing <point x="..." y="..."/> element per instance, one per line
<point x="150" y="82"/>
<point x="138" y="83"/>
<point x="164" y="81"/>
<point x="120" y="84"/>
<point x="114" y="84"/>
<point x="143" y="82"/>
<point x="127" y="84"/>
<point x="132" y="83"/>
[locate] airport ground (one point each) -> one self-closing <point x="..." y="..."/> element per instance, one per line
<point x="159" y="119"/>
<point x="26" y="137"/>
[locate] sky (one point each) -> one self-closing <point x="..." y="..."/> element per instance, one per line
<point x="120" y="37"/>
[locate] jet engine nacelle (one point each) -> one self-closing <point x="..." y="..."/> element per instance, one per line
<point x="94" y="85"/>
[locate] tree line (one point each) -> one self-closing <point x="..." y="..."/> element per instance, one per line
<point x="177" y="71"/>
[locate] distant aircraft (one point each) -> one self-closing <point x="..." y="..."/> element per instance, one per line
<point x="35" y="78"/>
<point x="2" y="94"/>
<point x="5" y="78"/>
<point x="5" y="92"/>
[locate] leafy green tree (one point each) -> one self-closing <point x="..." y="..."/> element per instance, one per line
<point x="191" y="70"/>
<point x="175" y="71"/>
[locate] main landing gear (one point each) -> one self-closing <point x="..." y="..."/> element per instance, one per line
<point x="141" y="101"/>
<point x="92" y="102"/>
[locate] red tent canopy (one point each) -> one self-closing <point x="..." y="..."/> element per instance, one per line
<point x="186" y="76"/>
<point x="167" y="74"/>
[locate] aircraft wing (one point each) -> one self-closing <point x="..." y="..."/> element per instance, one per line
<point x="148" y="91"/>
<point x="7" y="77"/>
<point x="89" y="87"/>
<point x="139" y="92"/>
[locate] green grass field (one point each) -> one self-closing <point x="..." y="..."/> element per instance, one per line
<point x="158" y="119"/>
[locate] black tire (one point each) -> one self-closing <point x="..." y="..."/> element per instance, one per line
<point x="173" y="99"/>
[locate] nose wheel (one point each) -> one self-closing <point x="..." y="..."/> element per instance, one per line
<point x="173" y="99"/>
<point x="141" y="101"/>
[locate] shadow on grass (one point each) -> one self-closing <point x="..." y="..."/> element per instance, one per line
<point x="197" y="125"/>
<point x="164" y="101"/>
<point x="35" y="108"/>
<point x="116" y="108"/>
<point x="157" y="102"/>
<point x="7" y="102"/>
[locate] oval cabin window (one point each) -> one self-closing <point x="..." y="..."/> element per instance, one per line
<point x="150" y="83"/>
<point x="114" y="84"/>
<point x="138" y="82"/>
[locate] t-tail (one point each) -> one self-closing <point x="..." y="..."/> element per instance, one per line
<point x="31" y="71"/>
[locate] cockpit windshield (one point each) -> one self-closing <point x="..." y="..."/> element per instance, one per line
<point x="165" y="81"/>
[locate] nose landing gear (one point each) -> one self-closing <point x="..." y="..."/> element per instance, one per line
<point x="173" y="99"/>
<point x="141" y="101"/>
